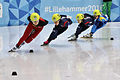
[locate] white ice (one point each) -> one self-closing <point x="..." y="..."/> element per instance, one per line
<point x="84" y="59"/>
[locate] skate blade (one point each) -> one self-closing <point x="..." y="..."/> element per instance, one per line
<point x="72" y="40"/>
<point x="70" y="36"/>
<point x="87" y="37"/>
<point x="11" y="51"/>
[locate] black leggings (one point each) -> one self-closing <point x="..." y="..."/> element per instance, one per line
<point x="56" y="32"/>
<point x="80" y="29"/>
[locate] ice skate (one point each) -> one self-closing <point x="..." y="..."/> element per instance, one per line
<point x="87" y="36"/>
<point x="14" y="49"/>
<point x="72" y="38"/>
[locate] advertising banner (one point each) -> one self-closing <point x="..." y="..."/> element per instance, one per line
<point x="15" y="12"/>
<point x="68" y="7"/>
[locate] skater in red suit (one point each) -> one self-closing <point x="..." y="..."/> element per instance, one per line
<point x="61" y="24"/>
<point x="35" y="26"/>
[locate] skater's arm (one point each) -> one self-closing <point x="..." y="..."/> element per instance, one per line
<point x="88" y="23"/>
<point x="102" y="19"/>
<point x="42" y="22"/>
<point x="69" y="21"/>
<point x="63" y="16"/>
<point x="66" y="16"/>
<point x="86" y="14"/>
<point x="90" y="18"/>
<point x="29" y="19"/>
<point x="82" y="24"/>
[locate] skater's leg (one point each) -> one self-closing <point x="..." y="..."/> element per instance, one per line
<point x="26" y="34"/>
<point x="96" y="27"/>
<point x="62" y="30"/>
<point x="93" y="30"/>
<point x="23" y="38"/>
<point x="54" y="35"/>
<point x="80" y="29"/>
<point x="32" y="36"/>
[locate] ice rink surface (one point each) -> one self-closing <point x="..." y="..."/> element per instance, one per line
<point x="84" y="59"/>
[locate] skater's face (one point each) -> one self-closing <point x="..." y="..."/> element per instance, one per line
<point x="35" y="22"/>
<point x="96" y="16"/>
<point x="79" y="21"/>
<point x="57" y="22"/>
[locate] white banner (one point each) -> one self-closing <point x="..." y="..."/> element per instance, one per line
<point x="0" y="10"/>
